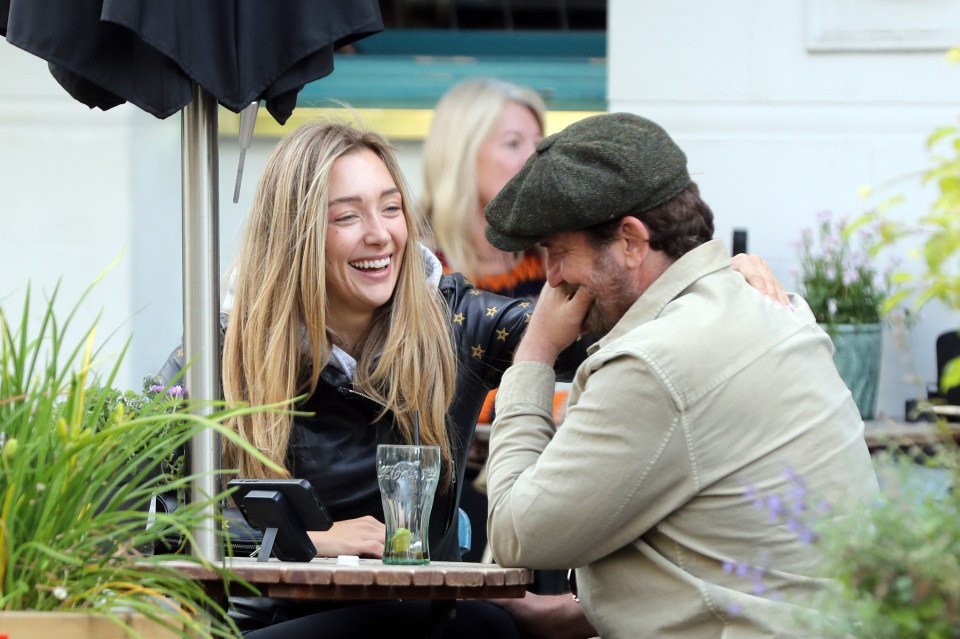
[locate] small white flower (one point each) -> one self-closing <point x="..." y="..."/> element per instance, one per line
<point x="60" y="593"/>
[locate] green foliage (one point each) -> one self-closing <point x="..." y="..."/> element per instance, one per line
<point x="104" y="405"/>
<point x="893" y="564"/>
<point x="937" y="231"/>
<point x="80" y="462"/>
<point x="933" y="273"/>
<point x="837" y="276"/>
<point x="898" y="567"/>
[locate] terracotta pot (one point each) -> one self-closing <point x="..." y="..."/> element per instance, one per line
<point x="77" y="625"/>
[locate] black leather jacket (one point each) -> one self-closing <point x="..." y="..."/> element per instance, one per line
<point x="335" y="447"/>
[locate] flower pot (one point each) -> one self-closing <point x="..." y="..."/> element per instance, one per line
<point x="857" y="356"/>
<point x="78" y="625"/>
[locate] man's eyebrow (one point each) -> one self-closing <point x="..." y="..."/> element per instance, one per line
<point x="357" y="198"/>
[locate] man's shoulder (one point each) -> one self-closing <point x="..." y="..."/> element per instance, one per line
<point x="710" y="329"/>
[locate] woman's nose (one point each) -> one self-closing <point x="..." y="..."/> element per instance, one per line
<point x="376" y="231"/>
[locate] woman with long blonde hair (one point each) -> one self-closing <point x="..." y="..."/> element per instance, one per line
<point x="283" y="313"/>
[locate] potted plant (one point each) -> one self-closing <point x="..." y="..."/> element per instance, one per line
<point x="79" y="465"/>
<point x="846" y="293"/>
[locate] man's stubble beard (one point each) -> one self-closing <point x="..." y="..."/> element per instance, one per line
<point x="613" y="295"/>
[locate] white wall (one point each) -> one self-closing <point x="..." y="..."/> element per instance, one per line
<point x="73" y="201"/>
<point x="775" y="133"/>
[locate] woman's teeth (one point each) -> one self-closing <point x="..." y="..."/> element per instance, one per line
<point x="371" y="264"/>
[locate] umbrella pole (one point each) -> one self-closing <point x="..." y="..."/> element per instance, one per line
<point x="201" y="295"/>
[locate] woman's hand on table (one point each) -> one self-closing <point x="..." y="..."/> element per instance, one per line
<point x="363" y="537"/>
<point x="758" y="275"/>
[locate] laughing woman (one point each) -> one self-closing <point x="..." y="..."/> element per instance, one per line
<point x="335" y="299"/>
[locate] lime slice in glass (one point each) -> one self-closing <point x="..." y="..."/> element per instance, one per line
<point x="400" y="542"/>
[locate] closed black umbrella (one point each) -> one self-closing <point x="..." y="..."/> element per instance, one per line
<point x="166" y="56"/>
<point x="151" y="52"/>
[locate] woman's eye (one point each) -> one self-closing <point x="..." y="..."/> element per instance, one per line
<point x="393" y="209"/>
<point x="345" y="217"/>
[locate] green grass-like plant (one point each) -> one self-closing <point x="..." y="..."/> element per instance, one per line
<point x="79" y="464"/>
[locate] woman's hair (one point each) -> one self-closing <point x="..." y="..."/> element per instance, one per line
<point x="278" y="339"/>
<point x="463" y="119"/>
<point x="677" y="226"/>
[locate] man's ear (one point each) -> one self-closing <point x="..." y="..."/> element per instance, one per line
<point x="636" y="240"/>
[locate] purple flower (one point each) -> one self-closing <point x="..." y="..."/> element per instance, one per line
<point x="759" y="587"/>
<point x="808" y="536"/>
<point x="173" y="391"/>
<point x="794" y="525"/>
<point x="775" y="506"/>
<point x="823" y="216"/>
<point x="796" y="493"/>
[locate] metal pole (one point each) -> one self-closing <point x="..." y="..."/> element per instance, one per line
<point x="201" y="295"/>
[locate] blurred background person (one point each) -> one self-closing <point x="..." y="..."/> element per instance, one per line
<point x="483" y="130"/>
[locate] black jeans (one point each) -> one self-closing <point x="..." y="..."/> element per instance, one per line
<point x="395" y="620"/>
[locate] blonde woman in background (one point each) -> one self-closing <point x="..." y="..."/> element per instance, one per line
<point x="483" y="130"/>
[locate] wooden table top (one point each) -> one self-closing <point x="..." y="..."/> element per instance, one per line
<point x="325" y="578"/>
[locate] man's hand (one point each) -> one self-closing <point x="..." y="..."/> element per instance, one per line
<point x="548" y="616"/>
<point x="556" y="323"/>
<point x="363" y="537"/>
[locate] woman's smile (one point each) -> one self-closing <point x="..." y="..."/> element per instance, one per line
<point x="372" y="265"/>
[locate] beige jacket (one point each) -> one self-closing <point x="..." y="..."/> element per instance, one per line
<point x="704" y="396"/>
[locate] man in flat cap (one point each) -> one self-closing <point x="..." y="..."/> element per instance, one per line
<point x="699" y="400"/>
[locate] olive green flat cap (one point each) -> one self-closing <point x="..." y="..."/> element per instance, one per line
<point x="598" y="169"/>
